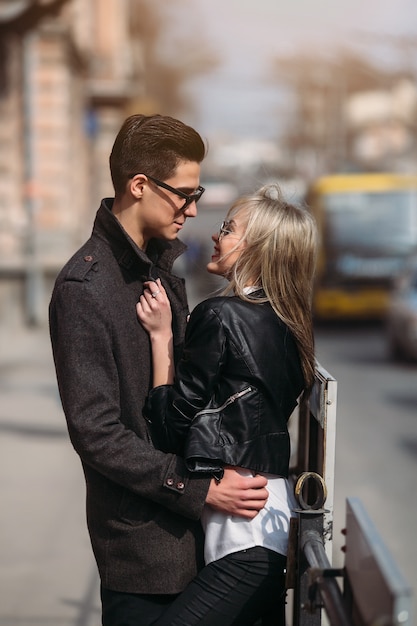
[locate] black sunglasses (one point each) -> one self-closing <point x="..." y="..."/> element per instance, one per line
<point x="188" y="197"/>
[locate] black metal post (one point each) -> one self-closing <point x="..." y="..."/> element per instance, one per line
<point x="306" y="612"/>
<point x="316" y="586"/>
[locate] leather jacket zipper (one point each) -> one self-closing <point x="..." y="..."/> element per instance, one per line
<point x="229" y="400"/>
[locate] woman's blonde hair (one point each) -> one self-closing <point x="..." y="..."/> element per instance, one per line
<point x="279" y="256"/>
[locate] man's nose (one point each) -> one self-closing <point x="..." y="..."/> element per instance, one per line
<point x="191" y="210"/>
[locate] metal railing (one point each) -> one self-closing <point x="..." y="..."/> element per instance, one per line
<point x="316" y="583"/>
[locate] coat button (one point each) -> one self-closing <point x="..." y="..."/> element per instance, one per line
<point x="169" y="482"/>
<point x="180" y="486"/>
<point x="88" y="258"/>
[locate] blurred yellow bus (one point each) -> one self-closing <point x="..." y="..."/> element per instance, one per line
<point x="368" y="226"/>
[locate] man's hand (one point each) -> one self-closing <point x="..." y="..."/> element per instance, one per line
<point x="238" y="495"/>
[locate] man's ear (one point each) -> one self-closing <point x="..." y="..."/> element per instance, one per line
<point x="136" y="185"/>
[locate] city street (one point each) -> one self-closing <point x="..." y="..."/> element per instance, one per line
<point x="376" y="438"/>
<point x="319" y="96"/>
<point x="47" y="572"/>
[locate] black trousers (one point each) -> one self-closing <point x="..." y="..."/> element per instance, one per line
<point x="132" y="609"/>
<point x="238" y="590"/>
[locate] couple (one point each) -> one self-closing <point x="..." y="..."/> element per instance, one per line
<point x="213" y="451"/>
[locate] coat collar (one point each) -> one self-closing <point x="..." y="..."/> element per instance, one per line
<point x="159" y="253"/>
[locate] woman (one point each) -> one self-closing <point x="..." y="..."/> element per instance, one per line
<point x="246" y="361"/>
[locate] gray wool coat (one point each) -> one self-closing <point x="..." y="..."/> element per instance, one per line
<point x="143" y="506"/>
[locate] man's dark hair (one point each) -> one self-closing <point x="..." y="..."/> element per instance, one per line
<point x="154" y="145"/>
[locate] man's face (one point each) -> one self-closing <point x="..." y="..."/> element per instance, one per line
<point x="162" y="214"/>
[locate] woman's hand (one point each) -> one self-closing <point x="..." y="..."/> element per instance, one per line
<point x="154" y="310"/>
<point x="154" y="313"/>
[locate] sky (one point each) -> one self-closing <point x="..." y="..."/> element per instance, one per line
<point x="237" y="99"/>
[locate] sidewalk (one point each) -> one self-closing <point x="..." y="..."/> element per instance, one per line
<point x="47" y="571"/>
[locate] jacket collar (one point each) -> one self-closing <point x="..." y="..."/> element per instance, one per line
<point x="159" y="253"/>
<point x="254" y="293"/>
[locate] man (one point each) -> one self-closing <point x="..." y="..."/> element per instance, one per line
<point x="142" y="505"/>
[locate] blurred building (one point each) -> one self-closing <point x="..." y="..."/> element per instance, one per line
<point x="67" y="72"/>
<point x="383" y="127"/>
<point x="348" y="113"/>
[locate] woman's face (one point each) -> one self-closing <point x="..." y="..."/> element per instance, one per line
<point x="228" y="244"/>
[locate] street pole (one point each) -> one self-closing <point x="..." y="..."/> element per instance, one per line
<point x="34" y="287"/>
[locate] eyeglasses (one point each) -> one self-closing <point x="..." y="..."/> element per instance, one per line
<point x="224" y="230"/>
<point x="188" y="197"/>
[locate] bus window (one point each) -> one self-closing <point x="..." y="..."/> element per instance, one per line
<point x="385" y="220"/>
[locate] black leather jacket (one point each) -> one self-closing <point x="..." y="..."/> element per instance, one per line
<point x="236" y="385"/>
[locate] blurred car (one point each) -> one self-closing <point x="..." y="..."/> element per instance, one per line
<point x="401" y="318"/>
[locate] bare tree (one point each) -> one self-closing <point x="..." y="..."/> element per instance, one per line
<point x="164" y="63"/>
<point x="318" y="87"/>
